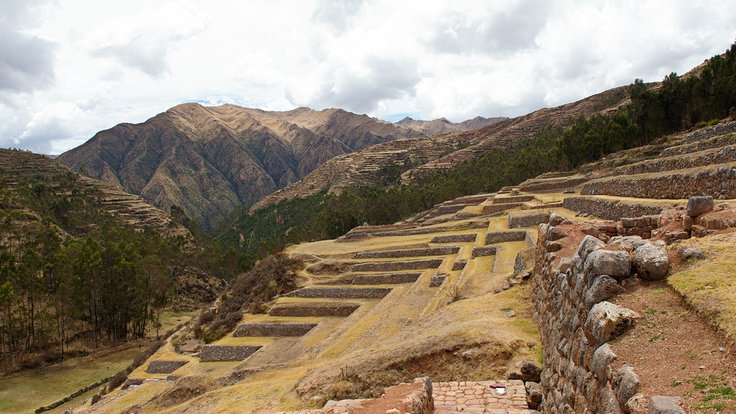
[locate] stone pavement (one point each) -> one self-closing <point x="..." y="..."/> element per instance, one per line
<point x="468" y="397"/>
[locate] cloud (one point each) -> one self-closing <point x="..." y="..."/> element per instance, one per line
<point x="70" y="68"/>
<point x="144" y="41"/>
<point x="337" y="14"/>
<point x="26" y="61"/>
<point x="498" y="28"/>
<point x="361" y="87"/>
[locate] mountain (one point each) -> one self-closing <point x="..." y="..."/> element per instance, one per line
<point x="211" y="160"/>
<point x="442" y="151"/>
<point x="443" y="126"/>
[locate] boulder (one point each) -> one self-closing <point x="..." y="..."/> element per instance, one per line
<point x="555" y="233"/>
<point x="638" y="404"/>
<point x="606" y="321"/>
<point x="691" y="253"/>
<point x="534" y="394"/>
<point x="603" y="287"/>
<point x="651" y="261"/>
<point x="665" y="405"/>
<point x="614" y="263"/>
<point x="699" y="205"/>
<point x="602" y="358"/>
<point x="588" y="245"/>
<point x="626" y="383"/>
<point x="555" y="219"/>
<point x="629" y="243"/>
<point x="530" y="371"/>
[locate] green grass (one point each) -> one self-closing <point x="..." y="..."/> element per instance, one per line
<point x="26" y="391"/>
<point x="717" y="396"/>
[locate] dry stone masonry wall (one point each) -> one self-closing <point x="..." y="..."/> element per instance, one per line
<point x="715" y="181"/>
<point x="609" y="209"/>
<point x="576" y="319"/>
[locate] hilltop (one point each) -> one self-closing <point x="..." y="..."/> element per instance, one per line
<point x="443" y="126"/>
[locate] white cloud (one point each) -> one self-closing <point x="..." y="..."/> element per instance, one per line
<point x="86" y="65"/>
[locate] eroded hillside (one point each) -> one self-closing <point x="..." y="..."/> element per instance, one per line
<point x="211" y="160"/>
<point x="417" y="157"/>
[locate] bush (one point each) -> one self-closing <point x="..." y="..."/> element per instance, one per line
<point x="274" y="275"/>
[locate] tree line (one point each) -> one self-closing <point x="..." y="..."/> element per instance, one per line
<point x="72" y="274"/>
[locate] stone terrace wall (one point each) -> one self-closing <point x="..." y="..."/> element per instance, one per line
<point x="572" y="283"/>
<point x="717" y="182"/>
<point x="609" y="210"/>
<point x="717" y="156"/>
<point x="715" y="142"/>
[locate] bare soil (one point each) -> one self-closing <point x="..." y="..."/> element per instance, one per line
<point x="675" y="352"/>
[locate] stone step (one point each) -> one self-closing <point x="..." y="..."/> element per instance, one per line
<point x="527" y="218"/>
<point x="341" y="293"/>
<point x="273" y="329"/>
<point x="222" y="353"/>
<point x="313" y="309"/>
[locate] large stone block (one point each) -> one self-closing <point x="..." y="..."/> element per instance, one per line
<point x="699" y="205"/>
<point x="588" y="245"/>
<point x="606" y="321"/>
<point x="603" y="287"/>
<point x="626" y="384"/>
<point x="615" y="263"/>
<point x="651" y="261"/>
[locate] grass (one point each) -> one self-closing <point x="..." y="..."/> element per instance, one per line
<point x="414" y="326"/>
<point x="26" y="391"/>
<point x="708" y="285"/>
<point x="715" y="394"/>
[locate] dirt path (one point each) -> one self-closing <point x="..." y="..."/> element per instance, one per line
<point x="691" y="360"/>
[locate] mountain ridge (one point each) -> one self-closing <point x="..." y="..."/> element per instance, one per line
<point x="238" y="155"/>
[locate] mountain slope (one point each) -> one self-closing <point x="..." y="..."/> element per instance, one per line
<point x="440" y="152"/>
<point x="211" y="160"/>
<point x="25" y="168"/>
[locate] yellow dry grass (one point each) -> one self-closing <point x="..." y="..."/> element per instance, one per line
<point x="709" y="285"/>
<point x="414" y="320"/>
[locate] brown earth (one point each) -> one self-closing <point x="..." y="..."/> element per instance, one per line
<point x="676" y="352"/>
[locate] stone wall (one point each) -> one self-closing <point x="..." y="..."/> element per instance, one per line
<point x="498" y="208"/>
<point x="218" y="353"/>
<point x="493" y="237"/>
<point x="717" y="156"/>
<point x="341" y="292"/>
<point x="609" y="209"/>
<point x="383" y="279"/>
<point x="390" y="266"/>
<point x="273" y="329"/>
<point x="572" y="283"/>
<point x="715" y="181"/>
<point x="314" y="309"/>
<point x="455" y="238"/>
<point x="429" y="251"/>
<point x="527" y="219"/>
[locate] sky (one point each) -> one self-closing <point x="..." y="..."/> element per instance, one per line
<point x="70" y="68"/>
